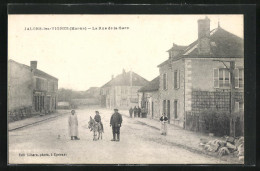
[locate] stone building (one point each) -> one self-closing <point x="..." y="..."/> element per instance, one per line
<point x="121" y="91"/>
<point x="149" y="98"/>
<point x="30" y="90"/>
<point x="193" y="70"/>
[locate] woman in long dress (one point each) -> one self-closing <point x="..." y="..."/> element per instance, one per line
<point x="163" y="121"/>
<point x="73" y="126"/>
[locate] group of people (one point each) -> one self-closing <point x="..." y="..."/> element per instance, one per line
<point x="115" y="122"/>
<point x="138" y="112"/>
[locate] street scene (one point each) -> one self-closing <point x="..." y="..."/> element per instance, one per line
<point x="91" y="89"/>
<point x="135" y="146"/>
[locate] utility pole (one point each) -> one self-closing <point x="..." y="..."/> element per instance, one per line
<point x="232" y="121"/>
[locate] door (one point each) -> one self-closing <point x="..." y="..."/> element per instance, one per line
<point x="168" y="110"/>
<point x="175" y="109"/>
<point x="152" y="109"/>
<point x="164" y="106"/>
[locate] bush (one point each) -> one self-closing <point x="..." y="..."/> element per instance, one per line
<point x="216" y="122"/>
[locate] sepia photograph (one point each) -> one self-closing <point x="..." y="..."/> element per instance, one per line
<point x="125" y="89"/>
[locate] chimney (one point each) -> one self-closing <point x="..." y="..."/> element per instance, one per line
<point x="34" y="65"/>
<point x="203" y="36"/>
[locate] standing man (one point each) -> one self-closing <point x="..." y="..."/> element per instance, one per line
<point x="73" y="126"/>
<point x="115" y="122"/>
<point x="135" y="111"/>
<point x="97" y="118"/>
<point x="131" y="112"/>
<point x="139" y="111"/>
<point x="143" y="112"/>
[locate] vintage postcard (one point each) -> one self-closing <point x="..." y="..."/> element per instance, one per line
<point x="125" y="89"/>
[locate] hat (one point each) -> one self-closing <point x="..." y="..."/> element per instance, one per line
<point x="115" y="109"/>
<point x="97" y="111"/>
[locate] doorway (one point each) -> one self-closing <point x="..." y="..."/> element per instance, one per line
<point x="168" y="110"/>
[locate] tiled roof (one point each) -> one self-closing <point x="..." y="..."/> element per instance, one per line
<point x="223" y="44"/>
<point x="37" y="72"/>
<point x="151" y="86"/>
<point x="124" y="79"/>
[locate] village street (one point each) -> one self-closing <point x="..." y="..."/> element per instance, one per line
<point x="140" y="144"/>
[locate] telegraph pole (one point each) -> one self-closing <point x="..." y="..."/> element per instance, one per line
<point x="232" y="121"/>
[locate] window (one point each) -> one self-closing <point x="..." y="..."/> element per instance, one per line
<point x="239" y="106"/>
<point x="40" y="84"/>
<point x="176" y="79"/>
<point x="222" y="78"/>
<point x="239" y="78"/>
<point x="165" y="81"/>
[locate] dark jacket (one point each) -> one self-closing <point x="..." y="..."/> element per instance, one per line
<point x="116" y="120"/>
<point x="97" y="118"/>
<point x="135" y="110"/>
<point x="163" y="118"/>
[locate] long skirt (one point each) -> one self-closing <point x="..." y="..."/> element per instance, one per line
<point x="164" y="128"/>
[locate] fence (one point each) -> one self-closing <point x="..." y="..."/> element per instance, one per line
<point x="20" y="113"/>
<point x="219" y="101"/>
<point x="211" y="113"/>
<point x="214" y="122"/>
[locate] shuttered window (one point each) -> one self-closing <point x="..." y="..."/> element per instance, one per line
<point x="221" y="78"/>
<point x="176" y="79"/>
<point x="165" y="81"/>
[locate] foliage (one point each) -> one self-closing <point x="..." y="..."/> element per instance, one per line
<point x="216" y="122"/>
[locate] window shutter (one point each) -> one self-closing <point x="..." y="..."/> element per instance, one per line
<point x="236" y="73"/>
<point x="166" y="81"/>
<point x="216" y="77"/>
<point x="178" y="79"/>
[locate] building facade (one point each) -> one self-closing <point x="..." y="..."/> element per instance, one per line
<point x="196" y="70"/>
<point x="122" y="91"/>
<point x="30" y="89"/>
<point x="149" y="98"/>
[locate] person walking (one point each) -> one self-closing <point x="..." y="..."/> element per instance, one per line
<point x="135" y="111"/>
<point x="115" y="122"/>
<point x="143" y="112"/>
<point x="131" y="112"/>
<point x="73" y="125"/>
<point x="139" y="111"/>
<point x="97" y="118"/>
<point x="164" y="121"/>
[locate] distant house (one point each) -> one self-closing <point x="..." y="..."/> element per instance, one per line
<point x="30" y="89"/>
<point x="191" y="81"/>
<point x="121" y="91"/>
<point x="149" y="98"/>
<point x="93" y="92"/>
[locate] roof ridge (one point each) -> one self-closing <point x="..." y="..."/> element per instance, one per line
<point x="11" y="60"/>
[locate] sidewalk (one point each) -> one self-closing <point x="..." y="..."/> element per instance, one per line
<point x="183" y="138"/>
<point x="30" y="121"/>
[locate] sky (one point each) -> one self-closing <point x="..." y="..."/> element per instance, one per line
<point x="81" y="59"/>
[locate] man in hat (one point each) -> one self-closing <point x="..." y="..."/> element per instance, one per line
<point x="115" y="122"/>
<point x="73" y="126"/>
<point x="97" y="118"/>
